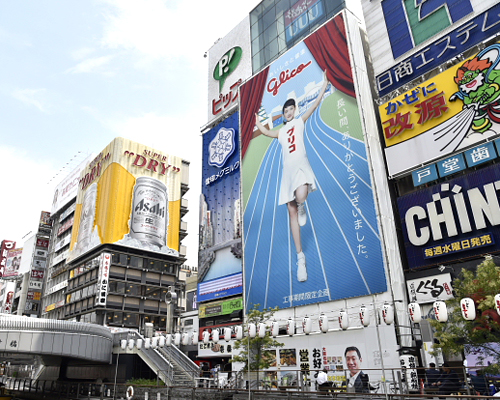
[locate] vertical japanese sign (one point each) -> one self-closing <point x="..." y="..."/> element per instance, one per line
<point x="318" y="155"/>
<point x="5" y="247"/>
<point x="103" y="280"/>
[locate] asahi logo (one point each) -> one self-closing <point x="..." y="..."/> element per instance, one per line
<point x="457" y="212"/>
<point x="226" y="65"/>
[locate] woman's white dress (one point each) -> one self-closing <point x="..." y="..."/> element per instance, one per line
<point x="296" y="168"/>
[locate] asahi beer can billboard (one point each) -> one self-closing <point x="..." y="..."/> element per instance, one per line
<point x="130" y="194"/>
<point x="310" y="226"/>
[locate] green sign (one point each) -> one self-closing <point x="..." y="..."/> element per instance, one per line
<point x="226" y="65"/>
<point x="221" y="308"/>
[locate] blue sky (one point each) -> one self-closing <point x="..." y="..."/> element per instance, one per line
<point x="76" y="74"/>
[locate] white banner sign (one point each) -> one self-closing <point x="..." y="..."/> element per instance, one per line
<point x="430" y="288"/>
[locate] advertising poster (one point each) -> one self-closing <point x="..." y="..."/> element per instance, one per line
<point x="310" y="227"/>
<point x="13" y="263"/>
<point x="453" y="220"/>
<point x="355" y="354"/>
<point x="5" y="247"/>
<point x="67" y="189"/>
<point x="219" y="264"/>
<point x="130" y="195"/>
<point x="445" y="114"/>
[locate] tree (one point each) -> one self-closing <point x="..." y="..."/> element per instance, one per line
<point x="259" y="347"/>
<point x="481" y="334"/>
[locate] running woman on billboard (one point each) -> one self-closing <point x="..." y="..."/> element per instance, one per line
<point x="298" y="178"/>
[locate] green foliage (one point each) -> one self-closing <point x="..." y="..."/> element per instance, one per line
<point x="259" y="347"/>
<point x="142" y="382"/>
<point x="455" y="335"/>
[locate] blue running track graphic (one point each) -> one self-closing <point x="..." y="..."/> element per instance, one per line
<point x="340" y="240"/>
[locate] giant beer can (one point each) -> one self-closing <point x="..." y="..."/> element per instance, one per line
<point x="149" y="219"/>
<point x="87" y="218"/>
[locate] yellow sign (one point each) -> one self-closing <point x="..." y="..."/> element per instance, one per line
<point x="130" y="194"/>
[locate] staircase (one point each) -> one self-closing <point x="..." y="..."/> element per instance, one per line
<point x="170" y="364"/>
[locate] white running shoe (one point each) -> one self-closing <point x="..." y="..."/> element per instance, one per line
<point x="302" y="216"/>
<point x="301" y="267"/>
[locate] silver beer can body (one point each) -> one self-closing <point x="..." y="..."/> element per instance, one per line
<point x="149" y="219"/>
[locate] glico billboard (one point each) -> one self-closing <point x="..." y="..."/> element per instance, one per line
<point x="130" y="195"/>
<point x="453" y="220"/>
<point x="220" y="267"/>
<point x="310" y="226"/>
<point x="410" y="38"/>
<point x="445" y="114"/>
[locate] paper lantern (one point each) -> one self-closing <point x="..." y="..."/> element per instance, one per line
<point x="147" y="343"/>
<point x="154" y="342"/>
<point x="468" y="309"/>
<point x="364" y="316"/>
<point x="388" y="313"/>
<point x="497" y="303"/>
<point x="194" y="337"/>
<point x="131" y="344"/>
<point x="261" y="330"/>
<point x="161" y="341"/>
<point x="307" y="325"/>
<point x="343" y="319"/>
<point x="252" y="330"/>
<point x="275" y="328"/>
<point x="415" y="312"/>
<point x="215" y="335"/>
<point x="123" y="344"/>
<point x="323" y="323"/>
<point x="185" y="339"/>
<point x="290" y="327"/>
<point x="239" y="332"/>
<point x="227" y="334"/>
<point x="440" y="311"/>
<point x="139" y="344"/>
<point x="206" y="337"/>
<point x="177" y="338"/>
<point x="168" y="339"/>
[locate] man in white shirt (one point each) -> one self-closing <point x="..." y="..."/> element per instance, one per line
<point x="322" y="380"/>
<point x="358" y="381"/>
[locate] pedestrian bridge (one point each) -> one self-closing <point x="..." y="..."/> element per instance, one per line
<point x="23" y="336"/>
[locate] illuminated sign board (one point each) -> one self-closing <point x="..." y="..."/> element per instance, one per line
<point x="220" y="307"/>
<point x="423" y="35"/>
<point x="443" y="115"/>
<point x="452" y="220"/>
<point x="130" y="195"/>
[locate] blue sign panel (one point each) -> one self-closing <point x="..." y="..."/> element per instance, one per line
<point x="424" y="175"/>
<point x="480" y="154"/>
<point x="451" y="165"/>
<point x="220" y="225"/>
<point x="432" y="56"/>
<point x="459" y="218"/>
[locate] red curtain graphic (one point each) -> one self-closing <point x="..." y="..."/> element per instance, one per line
<point x="251" y="94"/>
<point x="328" y="46"/>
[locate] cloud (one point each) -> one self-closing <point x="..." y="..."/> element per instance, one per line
<point x="82" y="53"/>
<point x="25" y="192"/>
<point x="91" y="65"/>
<point x="163" y="29"/>
<point x="33" y="97"/>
